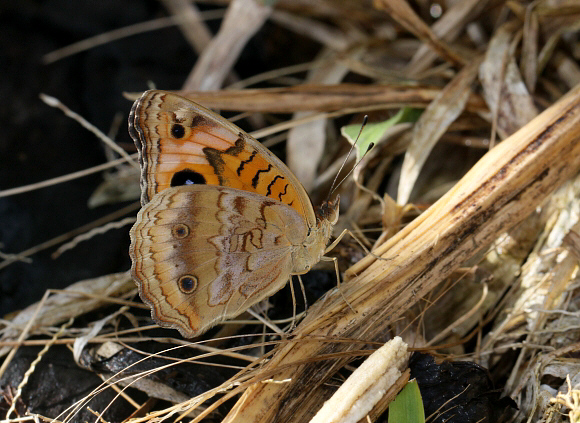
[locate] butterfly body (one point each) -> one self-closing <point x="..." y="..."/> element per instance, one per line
<point x="224" y="223"/>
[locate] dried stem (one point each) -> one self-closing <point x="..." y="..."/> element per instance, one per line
<point x="500" y="190"/>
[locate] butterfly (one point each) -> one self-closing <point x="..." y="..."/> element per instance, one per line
<point x="223" y="224"/>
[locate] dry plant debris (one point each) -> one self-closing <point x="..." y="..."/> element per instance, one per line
<point x="477" y="204"/>
<point x="364" y="388"/>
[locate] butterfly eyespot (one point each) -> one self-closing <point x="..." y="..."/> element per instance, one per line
<point x="178" y="131"/>
<point x="187" y="284"/>
<point x="180" y="231"/>
<point x="187" y="177"/>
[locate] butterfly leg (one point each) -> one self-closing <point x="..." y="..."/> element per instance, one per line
<point x="293" y="324"/>
<point x="303" y="293"/>
<point x="335" y="260"/>
<point x="294" y="315"/>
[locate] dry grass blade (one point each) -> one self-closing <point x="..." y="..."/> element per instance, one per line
<point x="121" y="33"/>
<point x="567" y="69"/>
<point x="448" y="27"/>
<point x="190" y="22"/>
<point x="507" y="184"/>
<point x="316" y="30"/>
<point x="432" y="124"/>
<point x="64" y="178"/>
<point x="404" y="15"/>
<point x="33" y="365"/>
<point x="530" y="48"/>
<point x="320" y="97"/>
<point x="91" y="233"/>
<point x="60" y="307"/>
<point x="242" y="20"/>
<point x="504" y="91"/>
<point x="305" y="144"/>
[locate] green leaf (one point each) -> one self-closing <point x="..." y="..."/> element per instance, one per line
<point x="373" y="132"/>
<point x="408" y="406"/>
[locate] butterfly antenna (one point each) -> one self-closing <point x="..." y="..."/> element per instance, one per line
<point x="371" y="145"/>
<point x="334" y="185"/>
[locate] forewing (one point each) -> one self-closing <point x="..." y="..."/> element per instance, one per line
<point x="181" y="142"/>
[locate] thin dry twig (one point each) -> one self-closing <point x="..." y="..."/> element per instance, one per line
<point x="117" y="34"/>
<point x="64" y="237"/>
<point x="64" y="178"/>
<point x="54" y="102"/>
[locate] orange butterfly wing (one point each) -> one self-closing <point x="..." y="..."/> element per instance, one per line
<point x="181" y="143"/>
<point x="204" y="253"/>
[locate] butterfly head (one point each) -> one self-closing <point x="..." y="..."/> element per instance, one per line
<point x="328" y="211"/>
<point x="312" y="248"/>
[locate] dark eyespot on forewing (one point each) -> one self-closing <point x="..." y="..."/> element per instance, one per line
<point x="187" y="177"/>
<point x="177" y="131"/>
